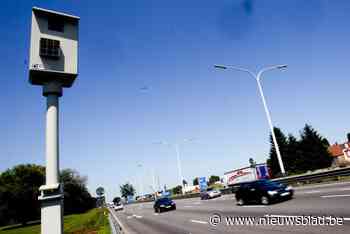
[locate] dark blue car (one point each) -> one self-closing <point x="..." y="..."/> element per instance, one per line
<point x="164" y="203"/>
<point x="262" y="191"/>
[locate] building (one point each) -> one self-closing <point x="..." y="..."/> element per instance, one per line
<point x="340" y="154"/>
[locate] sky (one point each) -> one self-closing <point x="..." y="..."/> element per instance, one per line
<point x="146" y="75"/>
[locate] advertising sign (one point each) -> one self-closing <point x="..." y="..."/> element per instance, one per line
<point x="260" y="171"/>
<point x="240" y="175"/>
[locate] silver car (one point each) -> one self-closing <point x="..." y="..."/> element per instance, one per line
<point x="210" y="193"/>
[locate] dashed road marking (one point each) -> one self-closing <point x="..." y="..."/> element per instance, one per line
<point x="313" y="191"/>
<point x="254" y="206"/>
<point x="336" y="195"/>
<point x="198" y="221"/>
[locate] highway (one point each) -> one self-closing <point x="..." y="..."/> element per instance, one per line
<point x="192" y="215"/>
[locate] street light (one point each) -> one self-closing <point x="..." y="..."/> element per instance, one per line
<point x="140" y="180"/>
<point x="176" y="146"/>
<point x="257" y="77"/>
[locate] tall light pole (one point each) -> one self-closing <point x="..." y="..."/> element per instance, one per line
<point x="257" y="77"/>
<point x="178" y="159"/>
<point x="176" y="145"/>
<point x="140" y="180"/>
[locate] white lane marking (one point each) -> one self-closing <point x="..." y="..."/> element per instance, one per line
<point x="257" y="206"/>
<point x="188" y="206"/>
<point x="129" y="217"/>
<point x="346" y="219"/>
<point x="314" y="191"/>
<point x="155" y="214"/>
<point x="198" y="221"/>
<point x="197" y="203"/>
<point x="319" y="191"/>
<point x="137" y="216"/>
<point x="336" y="195"/>
<point x="321" y="185"/>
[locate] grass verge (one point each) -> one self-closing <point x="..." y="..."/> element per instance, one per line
<point x="94" y="221"/>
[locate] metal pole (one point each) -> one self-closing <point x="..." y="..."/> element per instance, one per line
<point x="257" y="78"/>
<point x="140" y="180"/>
<point x="268" y="116"/>
<point x="154" y="179"/>
<point x="52" y="192"/>
<point x="179" y="167"/>
<point x="52" y="148"/>
<point x="154" y="183"/>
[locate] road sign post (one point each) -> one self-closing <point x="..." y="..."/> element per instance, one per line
<point x="100" y="191"/>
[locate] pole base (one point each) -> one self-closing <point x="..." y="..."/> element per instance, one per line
<point x="51" y="209"/>
<point x="52" y="216"/>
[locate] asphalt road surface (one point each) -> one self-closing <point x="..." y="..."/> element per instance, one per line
<point x="192" y="215"/>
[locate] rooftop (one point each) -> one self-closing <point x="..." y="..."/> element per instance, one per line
<point x="42" y="10"/>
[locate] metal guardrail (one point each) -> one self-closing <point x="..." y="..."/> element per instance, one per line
<point x="313" y="177"/>
<point x="119" y="227"/>
<point x="307" y="178"/>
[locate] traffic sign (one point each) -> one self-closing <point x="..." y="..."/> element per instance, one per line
<point x="100" y="191"/>
<point x="202" y="183"/>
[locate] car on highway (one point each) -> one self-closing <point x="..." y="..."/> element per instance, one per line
<point x="164" y="203"/>
<point x="118" y="206"/>
<point x="263" y="192"/>
<point x="210" y="193"/>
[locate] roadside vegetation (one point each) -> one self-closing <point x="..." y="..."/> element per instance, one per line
<point x="19" y="191"/>
<point x="94" y="221"/>
<point x="308" y="153"/>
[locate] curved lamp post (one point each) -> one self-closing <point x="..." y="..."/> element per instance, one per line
<point x="257" y="77"/>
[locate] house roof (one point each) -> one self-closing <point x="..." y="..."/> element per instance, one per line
<point x="46" y="11"/>
<point x="337" y="149"/>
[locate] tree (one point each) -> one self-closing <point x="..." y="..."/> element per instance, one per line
<point x="195" y="181"/>
<point x="127" y="190"/>
<point x="293" y="156"/>
<point x="77" y="199"/>
<point x="177" y="190"/>
<point x="252" y="163"/>
<point x="314" y="150"/>
<point x="116" y="200"/>
<point x="19" y="191"/>
<point x="348" y="136"/>
<point x="283" y="145"/>
<point x="213" y="179"/>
